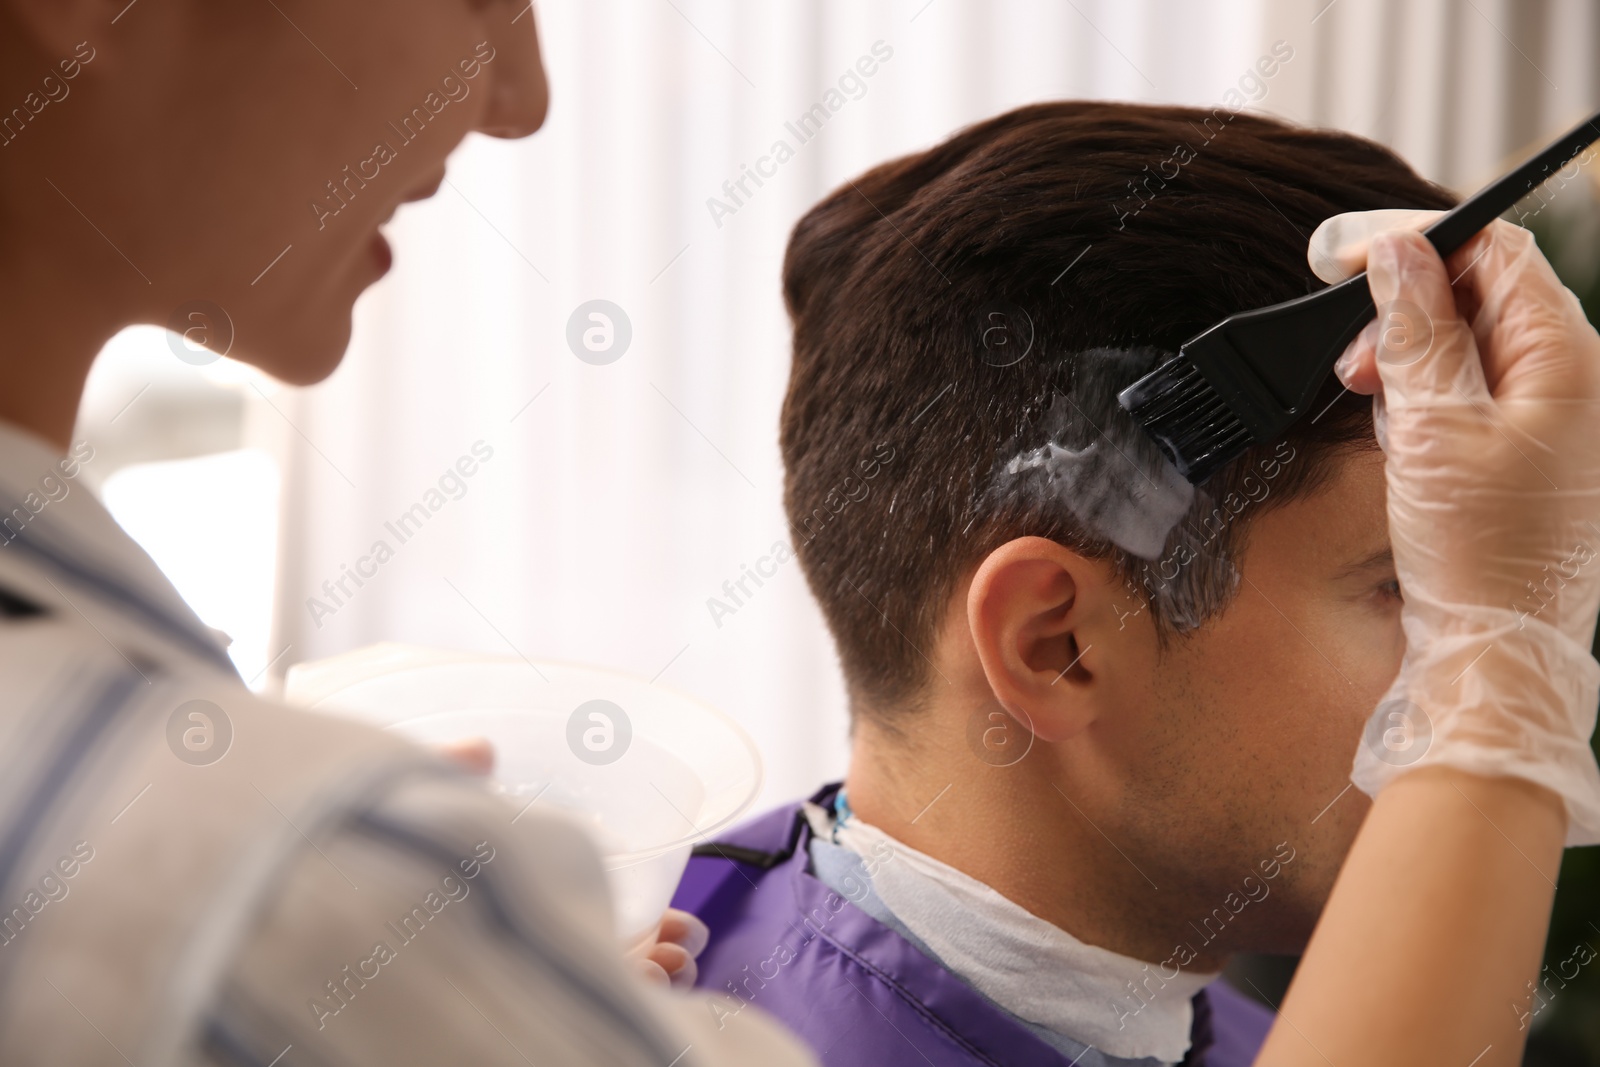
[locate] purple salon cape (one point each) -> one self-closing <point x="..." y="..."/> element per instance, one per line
<point x="856" y="991"/>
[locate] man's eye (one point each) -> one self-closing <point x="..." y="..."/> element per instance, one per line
<point x="1390" y="590"/>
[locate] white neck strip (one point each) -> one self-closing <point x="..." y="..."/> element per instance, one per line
<point x="1038" y="972"/>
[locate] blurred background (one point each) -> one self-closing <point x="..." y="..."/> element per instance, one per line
<point x="621" y="494"/>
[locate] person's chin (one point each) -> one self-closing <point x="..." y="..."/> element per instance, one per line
<point x="318" y="357"/>
<point x="304" y="356"/>
<point x="311" y="367"/>
<point x="321" y="329"/>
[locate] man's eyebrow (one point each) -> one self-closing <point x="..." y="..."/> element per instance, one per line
<point x="1383" y="557"/>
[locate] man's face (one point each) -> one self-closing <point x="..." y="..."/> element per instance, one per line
<point x="264" y="145"/>
<point x="1240" y="738"/>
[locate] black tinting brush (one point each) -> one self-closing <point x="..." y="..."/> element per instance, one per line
<point x="1247" y="379"/>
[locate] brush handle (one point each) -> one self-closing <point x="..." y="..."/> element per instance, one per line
<point x="1458" y="226"/>
<point x="1249" y="377"/>
<point x="1244" y="360"/>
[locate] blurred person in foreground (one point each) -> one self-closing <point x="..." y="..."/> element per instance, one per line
<point x="322" y="893"/>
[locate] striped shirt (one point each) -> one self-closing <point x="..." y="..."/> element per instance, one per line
<point x="190" y="874"/>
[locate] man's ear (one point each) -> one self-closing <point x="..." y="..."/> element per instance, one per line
<point x="1026" y="608"/>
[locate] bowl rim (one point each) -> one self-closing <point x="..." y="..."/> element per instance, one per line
<point x="386" y="659"/>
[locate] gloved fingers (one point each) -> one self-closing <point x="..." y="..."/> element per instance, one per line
<point x="1535" y="339"/>
<point x="676" y="963"/>
<point x="1357" y="368"/>
<point x="1338" y="248"/>
<point x="1504" y="289"/>
<point x="653" y="972"/>
<point x="1425" y="355"/>
<point x="685" y="929"/>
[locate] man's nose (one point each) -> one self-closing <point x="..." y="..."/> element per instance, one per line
<point x="520" y="96"/>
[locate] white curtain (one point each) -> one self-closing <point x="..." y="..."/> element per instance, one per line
<point x="620" y="497"/>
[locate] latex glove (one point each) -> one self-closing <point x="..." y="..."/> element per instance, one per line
<point x="1487" y="399"/>
<point x="671" y="960"/>
<point x="1338" y="248"/>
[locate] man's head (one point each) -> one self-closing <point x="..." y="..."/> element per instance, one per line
<point x="963" y="319"/>
<point x="245" y="155"/>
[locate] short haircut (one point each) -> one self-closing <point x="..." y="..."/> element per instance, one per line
<point x="1110" y="226"/>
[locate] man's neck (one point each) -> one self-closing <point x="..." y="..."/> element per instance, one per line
<point x="1026" y="831"/>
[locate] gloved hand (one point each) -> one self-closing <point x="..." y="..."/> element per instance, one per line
<point x="670" y="959"/>
<point x="1487" y="398"/>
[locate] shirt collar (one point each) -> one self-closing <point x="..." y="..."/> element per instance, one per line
<point x="51" y="520"/>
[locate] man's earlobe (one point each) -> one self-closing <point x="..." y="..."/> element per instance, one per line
<point x="1027" y="602"/>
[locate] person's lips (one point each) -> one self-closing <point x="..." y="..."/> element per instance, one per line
<point x="381" y="252"/>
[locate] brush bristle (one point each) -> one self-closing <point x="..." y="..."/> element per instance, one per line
<point x="1186" y="417"/>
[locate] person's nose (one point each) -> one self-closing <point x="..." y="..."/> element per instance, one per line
<point x="520" y="96"/>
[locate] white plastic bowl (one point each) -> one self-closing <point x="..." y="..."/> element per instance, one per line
<point x="686" y="773"/>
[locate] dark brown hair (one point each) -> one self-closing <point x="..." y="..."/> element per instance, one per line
<point x="1084" y="225"/>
